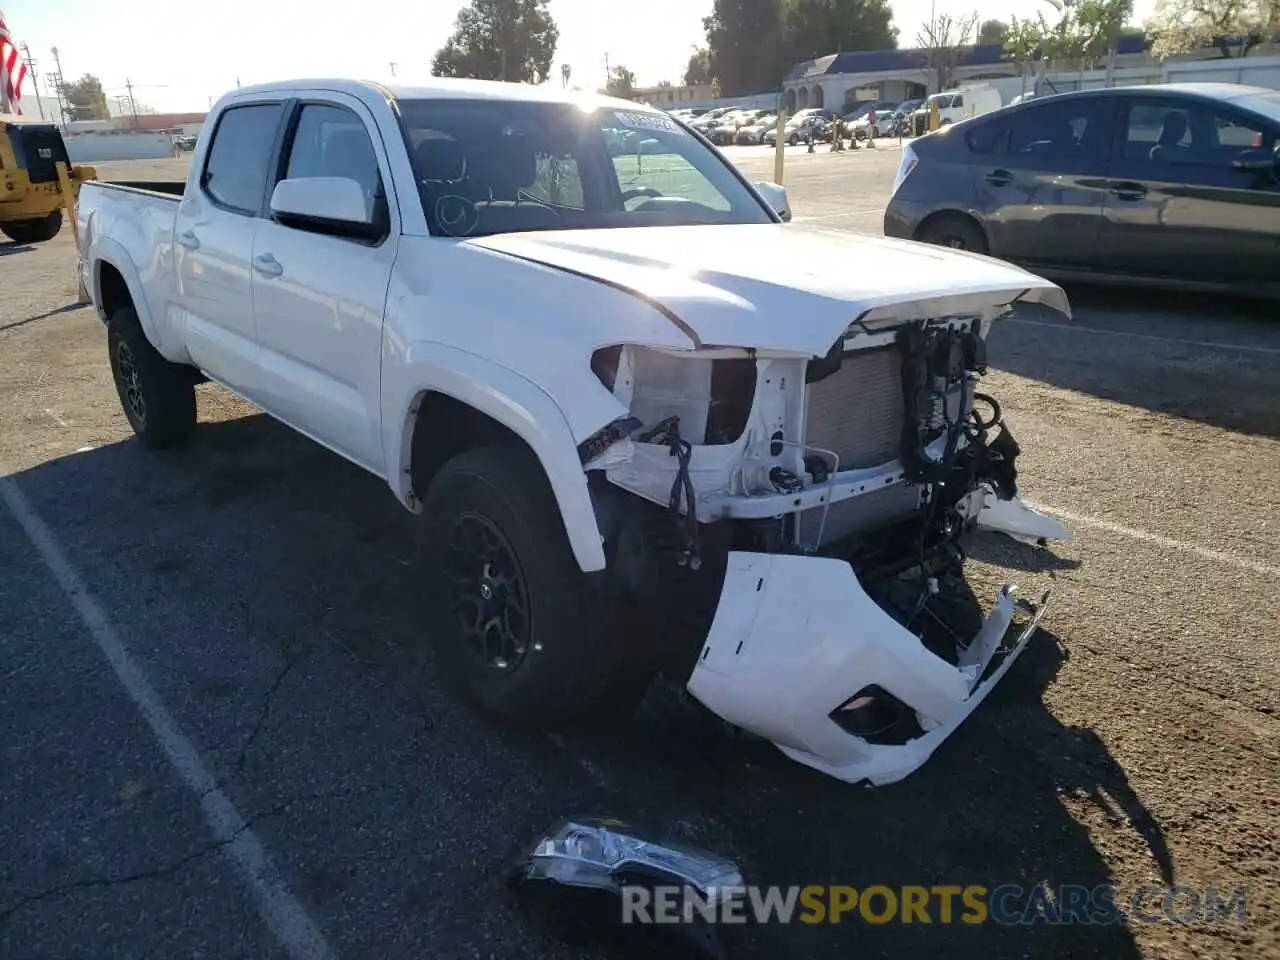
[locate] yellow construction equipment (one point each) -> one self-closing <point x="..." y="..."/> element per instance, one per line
<point x="37" y="180"/>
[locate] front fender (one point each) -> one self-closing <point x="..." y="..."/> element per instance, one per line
<point x="510" y="399"/>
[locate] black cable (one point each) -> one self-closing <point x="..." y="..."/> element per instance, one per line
<point x="668" y="432"/>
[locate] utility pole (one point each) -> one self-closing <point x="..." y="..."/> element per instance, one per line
<point x="608" y="74"/>
<point x="393" y="68"/>
<point x="59" y="89"/>
<point x="133" y="104"/>
<point x="35" y="78"/>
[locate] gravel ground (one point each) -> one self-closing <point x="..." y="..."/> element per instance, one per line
<point x="266" y="591"/>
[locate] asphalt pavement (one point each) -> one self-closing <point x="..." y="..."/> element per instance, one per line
<point x="224" y="734"/>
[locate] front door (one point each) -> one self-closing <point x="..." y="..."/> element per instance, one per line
<point x="1178" y="207"/>
<point x="213" y="241"/>
<point x="1043" y="189"/>
<point x="319" y="299"/>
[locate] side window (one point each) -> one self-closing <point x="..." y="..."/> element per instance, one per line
<point x="332" y="141"/>
<point x="235" y="171"/>
<point x="989" y="136"/>
<point x="957" y="100"/>
<point x="1189" y="133"/>
<point x="1068" y="130"/>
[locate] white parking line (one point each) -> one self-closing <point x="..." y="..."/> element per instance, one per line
<point x="1209" y="344"/>
<point x="1217" y="556"/>
<point x="282" y="912"/>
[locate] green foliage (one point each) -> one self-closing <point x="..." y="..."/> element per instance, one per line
<point x="513" y="40"/>
<point x="992" y="32"/>
<point x="697" y="72"/>
<point x="751" y="44"/>
<point x="1180" y="26"/>
<point x="622" y="83"/>
<point x="86" y="100"/>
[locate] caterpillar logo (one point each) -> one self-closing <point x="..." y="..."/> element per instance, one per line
<point x="44" y="153"/>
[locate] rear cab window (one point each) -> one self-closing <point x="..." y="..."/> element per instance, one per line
<point x="235" y="168"/>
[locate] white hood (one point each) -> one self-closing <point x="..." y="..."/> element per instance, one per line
<point x="780" y="287"/>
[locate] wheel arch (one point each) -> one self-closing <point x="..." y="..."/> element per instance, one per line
<point x="116" y="285"/>
<point x="445" y="401"/>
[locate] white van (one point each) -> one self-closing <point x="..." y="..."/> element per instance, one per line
<point x="956" y="105"/>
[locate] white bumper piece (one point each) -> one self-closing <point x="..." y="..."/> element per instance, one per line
<point x="795" y="637"/>
<point x="1020" y="520"/>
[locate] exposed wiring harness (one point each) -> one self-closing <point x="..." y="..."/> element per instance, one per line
<point x="667" y="432"/>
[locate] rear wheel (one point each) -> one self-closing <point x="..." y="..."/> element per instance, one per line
<point x="37" y="230"/>
<point x="158" y="397"/>
<point x="524" y="632"/>
<point x="956" y="232"/>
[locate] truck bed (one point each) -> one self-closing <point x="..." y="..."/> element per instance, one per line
<point x="169" y="188"/>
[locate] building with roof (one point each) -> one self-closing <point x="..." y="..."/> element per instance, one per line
<point x="838" y="81"/>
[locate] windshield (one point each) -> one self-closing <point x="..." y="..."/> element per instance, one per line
<point x="503" y="166"/>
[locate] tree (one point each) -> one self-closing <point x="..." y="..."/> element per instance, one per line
<point x="622" y="83"/>
<point x="942" y="40"/>
<point x="86" y="100"/>
<point x="1024" y="42"/>
<point x="1179" y="26"/>
<point x="697" y="73"/>
<point x="814" y="28"/>
<point x="744" y="42"/>
<point x="513" y="40"/>
<point x="992" y="32"/>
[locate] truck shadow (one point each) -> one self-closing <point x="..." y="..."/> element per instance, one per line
<point x="8" y="249"/>
<point x="261" y="529"/>
<point x="1158" y="352"/>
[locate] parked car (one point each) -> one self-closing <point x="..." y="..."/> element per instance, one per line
<point x="805" y="126"/>
<point x="597" y="387"/>
<point x="1176" y="183"/>
<point x="860" y="129"/>
<point x="726" y="131"/>
<point x="753" y="132"/>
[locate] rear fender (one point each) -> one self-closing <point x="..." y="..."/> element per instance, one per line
<point x="105" y="251"/>
<point x="518" y="404"/>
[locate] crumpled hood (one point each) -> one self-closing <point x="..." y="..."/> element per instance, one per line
<point x="780" y="287"/>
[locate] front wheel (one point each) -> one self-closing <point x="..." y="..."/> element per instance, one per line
<point x="524" y="632"/>
<point x="158" y="397"/>
<point x="37" y="230"/>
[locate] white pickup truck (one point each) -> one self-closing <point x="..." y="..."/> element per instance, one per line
<point x="648" y="426"/>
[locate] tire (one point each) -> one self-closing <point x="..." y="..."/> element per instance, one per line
<point x="793" y="140"/>
<point x="955" y="231"/>
<point x="158" y="397"/>
<point x="560" y="656"/>
<point x="33" y="231"/>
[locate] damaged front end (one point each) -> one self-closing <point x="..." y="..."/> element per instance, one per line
<point x="793" y="529"/>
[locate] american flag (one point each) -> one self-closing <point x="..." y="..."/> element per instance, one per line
<point x="13" y="69"/>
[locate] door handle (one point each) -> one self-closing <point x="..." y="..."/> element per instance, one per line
<point x="267" y="265"/>
<point x="999" y="178"/>
<point x="1128" y="190"/>
<point x="189" y="240"/>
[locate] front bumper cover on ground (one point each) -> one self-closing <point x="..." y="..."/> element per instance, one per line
<point x="795" y="637"/>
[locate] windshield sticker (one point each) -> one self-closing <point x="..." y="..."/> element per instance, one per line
<point x="648" y="121"/>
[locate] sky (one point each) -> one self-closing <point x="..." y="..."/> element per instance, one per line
<point x="182" y="56"/>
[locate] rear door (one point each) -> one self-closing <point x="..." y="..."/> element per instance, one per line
<point x="1040" y="173"/>
<point x="213" y="242"/>
<point x="319" y="299"/>
<point x="1176" y="204"/>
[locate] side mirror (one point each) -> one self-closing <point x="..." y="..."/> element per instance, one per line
<point x="776" y="196"/>
<point x="335" y="206"/>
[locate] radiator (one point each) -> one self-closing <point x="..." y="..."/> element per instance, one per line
<point x="857" y="411"/>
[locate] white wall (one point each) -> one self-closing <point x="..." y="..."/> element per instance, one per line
<point x="90" y="148"/>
